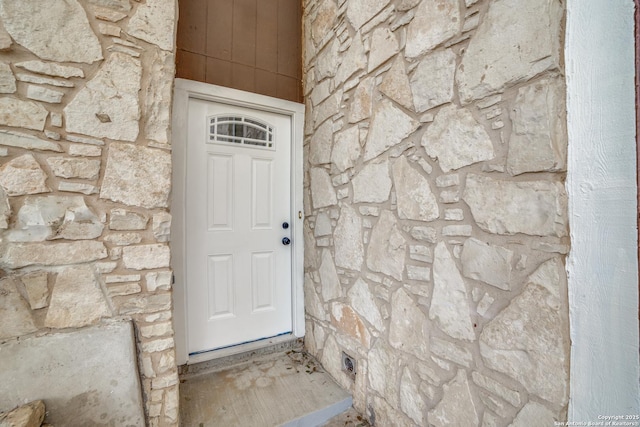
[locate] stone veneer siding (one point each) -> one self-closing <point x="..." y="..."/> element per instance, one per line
<point x="436" y="215"/>
<point x="85" y="173"/>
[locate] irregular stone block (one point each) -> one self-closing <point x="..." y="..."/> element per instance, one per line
<point x="348" y="322"/>
<point x="449" y="303"/>
<point x="383" y="369"/>
<point x="387" y="247"/>
<point x="320" y="146"/>
<point x="389" y="127"/>
<point x="361" y="103"/>
<point x="18" y="255"/>
<point x="5" y="210"/>
<point x="15" y="316"/>
<point x="142" y="257"/>
<point x="157" y="105"/>
<point x="5" y="39"/>
<point x="346" y="148"/>
<point x="121" y="5"/>
<point x="107" y="106"/>
<point x="413" y="192"/>
<point x="327" y="60"/>
<point x="162" y="226"/>
<point x="456" y="407"/>
<point x="396" y="84"/>
<point x="51" y="69"/>
<point x="123" y="219"/>
<point x="39" y="93"/>
<point x="409" y="329"/>
<point x="36" y="287"/>
<point x="432" y="82"/>
<point x="26" y="141"/>
<point x="449" y="351"/>
<point x="322" y="192"/>
<point x="312" y="303"/>
<point x="434" y="23"/>
<point x="329" y="281"/>
<point x="137" y="176"/>
<point x="534" y="414"/>
<point x="537" y="208"/>
<point x="528" y="339"/>
<point x="55" y="30"/>
<point x="385" y="46"/>
<point x="23" y="175"/>
<point x="29" y="415"/>
<point x="349" y="250"/>
<point x="354" y="59"/>
<point x="7" y="79"/>
<point x="322" y="24"/>
<point x="511" y="396"/>
<point x="539" y="137"/>
<point x="520" y="49"/>
<point x="488" y="263"/>
<point x="76" y="299"/>
<point x="456" y="139"/>
<point x="360" y="12"/>
<point x="144" y="304"/>
<point x="372" y="184"/>
<point x="411" y="401"/>
<point x="69" y="167"/>
<point x="22" y="114"/>
<point x="154" y="22"/>
<point x="363" y="302"/>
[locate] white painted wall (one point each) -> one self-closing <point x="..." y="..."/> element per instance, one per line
<point x="603" y="263"/>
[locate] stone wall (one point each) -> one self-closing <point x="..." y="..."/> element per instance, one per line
<point x="436" y="225"/>
<point x="85" y="175"/>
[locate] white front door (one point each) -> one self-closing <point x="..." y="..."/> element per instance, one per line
<point x="237" y="216"/>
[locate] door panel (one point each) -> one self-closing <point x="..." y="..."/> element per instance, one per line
<point x="238" y="271"/>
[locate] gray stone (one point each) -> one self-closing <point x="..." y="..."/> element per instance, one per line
<point x="322" y="192"/>
<point x="23" y="175"/>
<point x="418" y="273"/>
<point x="387" y="247"/>
<point x="5" y="210"/>
<point x="456" y="407"/>
<point x="537" y="208"/>
<point x="312" y="302"/>
<point x="485" y="304"/>
<point x="408" y="329"/>
<point x="329" y="281"/>
<point x="420" y="253"/>
<point x="456" y="139"/>
<point x="55" y="30"/>
<point x="123" y="219"/>
<point x="39" y="93"/>
<point x="413" y="192"/>
<point x="411" y="401"/>
<point x="320" y="91"/>
<point x="328" y="108"/>
<point x="363" y="302"/>
<point x="387" y="415"/>
<point x="510" y="47"/>
<point x="427" y="234"/>
<point x="346" y="148"/>
<point x="488" y="383"/>
<point x="107" y="106"/>
<point x="362" y="101"/>
<point x="354" y="59"/>
<point x="69" y="167"/>
<point x="406" y="4"/>
<point x="349" y="251"/>
<point x="320" y="146"/>
<point x="15" y="316"/>
<point x="433" y="80"/>
<point x="450" y="303"/>
<point x="154" y="22"/>
<point x="323" y="225"/>
<point x="453" y="214"/>
<point x="157" y="105"/>
<point x="384" y="46"/>
<point x="534" y="414"/>
<point x="382" y="370"/>
<point x="310" y="250"/>
<point x="449" y="351"/>
<point x="457" y="230"/>
<point x="51" y="69"/>
<point x="22" y="114"/>
<point x="7" y="79"/>
<point x="162" y="226"/>
<point x="143" y="257"/>
<point x="396" y="84"/>
<point x="434" y="23"/>
<point x="26" y="141"/>
<point x="29" y="415"/>
<point x="18" y="255"/>
<point x="528" y="340"/>
<point x="389" y="127"/>
<point x="137" y="176"/>
<point x="360" y="12"/>
<point x="372" y="184"/>
<point x="488" y="263"/>
<point x="539" y="137"/>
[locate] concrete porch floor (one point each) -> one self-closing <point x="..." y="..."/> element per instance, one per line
<point x="287" y="388"/>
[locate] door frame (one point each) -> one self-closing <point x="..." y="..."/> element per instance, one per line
<point x="183" y="92"/>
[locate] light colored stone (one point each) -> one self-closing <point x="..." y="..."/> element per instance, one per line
<point x="383" y="370"/>
<point x="26" y="141"/>
<point x="51" y="69"/>
<point x="22" y="114"/>
<point x="327" y="61"/>
<point x="385" y="46"/>
<point x="320" y="146"/>
<point x="328" y="108"/>
<point x="5" y="39"/>
<point x="360" y="12"/>
<point x="434" y="23"/>
<point x="408" y="329"/>
<point x="488" y="263"/>
<point x="123" y="239"/>
<point x="320" y="91"/>
<point x="312" y="302"/>
<point x="18" y="255"/>
<point x="143" y="257"/>
<point x="420" y="253"/>
<point x="76" y="299"/>
<point x="362" y="101"/>
<point x="457" y="230"/>
<point x="137" y="176"/>
<point x="389" y="127"/>
<point x="162" y="226"/>
<point x="107" y="106"/>
<point x="329" y="281"/>
<point x="354" y="59"/>
<point x="39" y="93"/>
<point x="413" y="192"/>
<point x="450" y="303"/>
<point x="411" y="401"/>
<point x="23" y="175"/>
<point x="528" y="339"/>
<point x="387" y="247"/>
<point x="534" y="413"/>
<point x="322" y="192"/>
<point x="347" y="321"/>
<point x="156" y="330"/>
<point x="510" y="47"/>
<point x="418" y="273"/>
<point x="121" y="5"/>
<point x="449" y="351"/>
<point x="310" y="250"/>
<point x="433" y="80"/>
<point x="427" y="234"/>
<point x="84" y="140"/>
<point x="145" y="304"/>
<point x="123" y="289"/>
<point x="363" y="302"/>
<point x="324" y="21"/>
<point x="489" y="384"/>
<point x="157" y="105"/>
<point x="453" y="214"/>
<point x="539" y="137"/>
<point x="456" y="139"/>
<point x="43" y="80"/>
<point x="159" y="280"/>
<point x="346" y="149"/>
<point x="69" y="167"/>
<point x="15" y="317"/>
<point x="485" y="304"/>
<point x="77" y="187"/>
<point x="29" y="415"/>
<point x="123" y="219"/>
<point x="323" y="225"/>
<point x="372" y="184"/>
<point x="349" y="251"/>
<point x="456" y="407"/>
<point x="82" y="150"/>
<point x="7" y="79"/>
<point x="396" y="84"/>
<point x="107" y="14"/>
<point x="5" y="210"/>
<point x="154" y="22"/>
<point x="109" y="30"/>
<point x="55" y="30"/>
<point x="537" y="208"/>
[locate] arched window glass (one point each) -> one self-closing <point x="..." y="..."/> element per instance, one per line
<point x="240" y="130"/>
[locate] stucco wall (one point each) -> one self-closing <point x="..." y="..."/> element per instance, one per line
<point x="85" y="174"/>
<point x="436" y="223"/>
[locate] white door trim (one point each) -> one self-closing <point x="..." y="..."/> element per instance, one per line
<point x="184" y="90"/>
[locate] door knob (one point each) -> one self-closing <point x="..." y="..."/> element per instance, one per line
<point x="285" y="225"/>
<point x="286" y="240"/>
